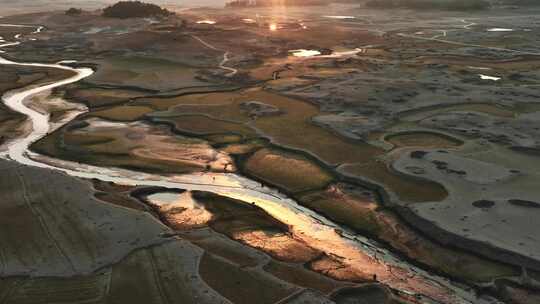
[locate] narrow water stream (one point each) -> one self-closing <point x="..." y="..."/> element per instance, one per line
<point x="356" y="251"/>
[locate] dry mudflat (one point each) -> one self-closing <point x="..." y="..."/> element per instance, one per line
<point x="79" y="241"/>
<point x="418" y="130"/>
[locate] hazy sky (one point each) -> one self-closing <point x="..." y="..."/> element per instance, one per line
<point x="93" y="2"/>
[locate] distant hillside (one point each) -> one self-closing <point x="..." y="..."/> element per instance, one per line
<point x="134" y="9"/>
<point x="520" y="2"/>
<point x="255" y="3"/>
<point x="461" y="5"/>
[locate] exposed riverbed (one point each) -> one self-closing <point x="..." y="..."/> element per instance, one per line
<point x="306" y="225"/>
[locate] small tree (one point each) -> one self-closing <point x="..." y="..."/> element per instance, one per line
<point x="135" y="9"/>
<point x="74" y="11"/>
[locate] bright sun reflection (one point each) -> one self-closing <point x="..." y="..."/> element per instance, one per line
<point x="273" y="27"/>
<point x="305" y="53"/>
<point x="206" y="22"/>
<point x="249" y="20"/>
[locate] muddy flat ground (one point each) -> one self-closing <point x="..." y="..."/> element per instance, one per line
<point x="418" y="132"/>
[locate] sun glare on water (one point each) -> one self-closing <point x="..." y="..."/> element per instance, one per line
<point x="340" y="17"/>
<point x="206" y="22"/>
<point x="273" y="27"/>
<point x="305" y="53"/>
<point x="249" y="20"/>
<point x="487" y="77"/>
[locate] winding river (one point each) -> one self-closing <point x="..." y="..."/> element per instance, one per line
<point x="355" y="250"/>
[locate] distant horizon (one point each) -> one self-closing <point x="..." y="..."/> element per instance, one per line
<point x="11" y="7"/>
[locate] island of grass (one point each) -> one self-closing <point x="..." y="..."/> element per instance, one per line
<point x="135" y="9"/>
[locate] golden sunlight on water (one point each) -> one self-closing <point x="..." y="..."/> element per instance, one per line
<point x="306" y="226"/>
<point x="273" y="27"/>
<point x="206" y="22"/>
<point x="340" y="17"/>
<point x="304" y="53"/>
<point x="193" y="213"/>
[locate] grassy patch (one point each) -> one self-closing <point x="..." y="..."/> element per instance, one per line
<point x="220" y="105"/>
<point x="292" y="172"/>
<point x="222" y="139"/>
<point x="491" y="109"/>
<point x="423" y="139"/>
<point x="354" y="211"/>
<point x="203" y="125"/>
<point x="97" y="97"/>
<point x="244" y="148"/>
<point x="145" y="72"/>
<point x="122" y="113"/>
<point x="14" y="77"/>
<point x="88" y="139"/>
<point x="361" y="213"/>
<point x="9" y="123"/>
<point x="407" y="189"/>
<point x="125" y="148"/>
<point x="293" y="128"/>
